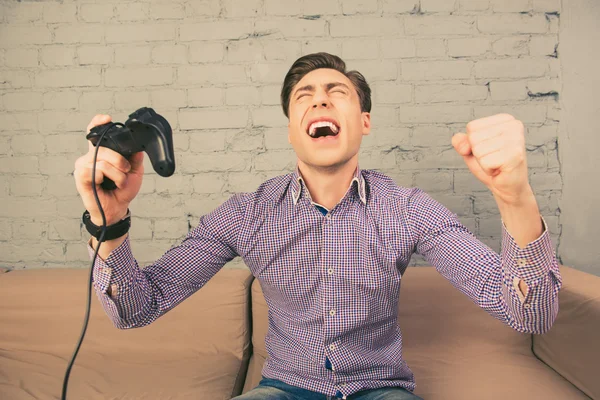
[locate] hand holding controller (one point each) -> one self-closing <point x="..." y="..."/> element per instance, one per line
<point x="145" y="130"/>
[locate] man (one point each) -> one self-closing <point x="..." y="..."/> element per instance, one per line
<point x="329" y="244"/>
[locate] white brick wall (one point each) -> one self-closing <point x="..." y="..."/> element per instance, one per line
<point x="214" y="69"/>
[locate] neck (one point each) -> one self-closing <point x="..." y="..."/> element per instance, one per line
<point x="328" y="185"/>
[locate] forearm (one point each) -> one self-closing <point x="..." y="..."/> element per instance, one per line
<point x="108" y="246"/>
<point x="522" y="218"/>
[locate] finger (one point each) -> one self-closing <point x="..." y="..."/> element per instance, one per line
<point x="461" y="144"/>
<point x="104" y="169"/>
<point x="98" y="119"/>
<point x="489" y="146"/>
<point x="492" y="163"/>
<point x="110" y="156"/>
<point x="488" y="121"/>
<point x="137" y="162"/>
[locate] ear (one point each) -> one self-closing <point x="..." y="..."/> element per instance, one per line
<point x="366" y="123"/>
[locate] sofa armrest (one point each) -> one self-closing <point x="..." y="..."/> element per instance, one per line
<point x="571" y="347"/>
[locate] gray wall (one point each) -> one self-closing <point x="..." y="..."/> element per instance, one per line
<point x="213" y="68"/>
<point x="579" y="140"/>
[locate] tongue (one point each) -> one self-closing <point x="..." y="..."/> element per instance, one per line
<point x="323" y="131"/>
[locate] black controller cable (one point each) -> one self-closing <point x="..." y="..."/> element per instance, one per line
<point x="100" y="240"/>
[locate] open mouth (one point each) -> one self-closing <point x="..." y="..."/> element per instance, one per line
<point x="319" y="129"/>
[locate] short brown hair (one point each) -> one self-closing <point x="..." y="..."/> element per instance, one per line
<point x="310" y="62"/>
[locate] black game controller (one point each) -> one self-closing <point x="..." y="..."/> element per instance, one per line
<point x="145" y="130"/>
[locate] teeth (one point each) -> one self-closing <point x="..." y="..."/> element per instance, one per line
<point x="320" y="124"/>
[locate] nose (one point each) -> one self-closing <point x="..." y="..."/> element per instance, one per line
<point x="321" y="99"/>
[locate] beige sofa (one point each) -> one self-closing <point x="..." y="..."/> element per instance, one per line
<point x="212" y="345"/>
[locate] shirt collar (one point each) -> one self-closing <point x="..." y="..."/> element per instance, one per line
<point x="298" y="184"/>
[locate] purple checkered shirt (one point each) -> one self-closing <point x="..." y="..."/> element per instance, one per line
<point x="332" y="281"/>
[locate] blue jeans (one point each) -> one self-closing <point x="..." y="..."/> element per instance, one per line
<point x="273" y="389"/>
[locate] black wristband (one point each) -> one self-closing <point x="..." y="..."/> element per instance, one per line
<point x="113" y="231"/>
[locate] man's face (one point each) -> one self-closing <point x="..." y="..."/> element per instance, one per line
<point x="326" y="123"/>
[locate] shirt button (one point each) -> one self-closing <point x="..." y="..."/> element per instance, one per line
<point x="332" y="313"/>
<point x="527" y="305"/>
<point x="344" y="384"/>
<point x="330" y="271"/>
<point x="521" y="262"/>
<point x="332" y="347"/>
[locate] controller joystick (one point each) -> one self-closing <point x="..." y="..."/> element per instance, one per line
<point x="145" y="130"/>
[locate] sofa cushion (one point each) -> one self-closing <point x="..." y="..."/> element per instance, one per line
<point x="197" y="350"/>
<point x="455" y="349"/>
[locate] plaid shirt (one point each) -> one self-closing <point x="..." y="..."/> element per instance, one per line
<point x="332" y="281"/>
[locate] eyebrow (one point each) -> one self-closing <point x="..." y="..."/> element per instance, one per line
<point x="328" y="87"/>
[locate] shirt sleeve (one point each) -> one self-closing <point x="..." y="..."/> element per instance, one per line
<point x="489" y="279"/>
<point x="133" y="297"/>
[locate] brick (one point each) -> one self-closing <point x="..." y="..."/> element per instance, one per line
<point x="281" y="50"/>
<point x="543" y="45"/>
<point x="473" y="5"/>
<point x="18" y="165"/>
<point x="22" y="12"/>
<point x="27" y="185"/>
<point x="399" y="6"/>
<point x="393" y="93"/>
<point x="248" y="8"/>
<point x="269" y="116"/>
<point x="175" y="184"/>
<point x="132" y="55"/>
<point x="167" y="11"/>
<point x="78" y="33"/>
<point x="95" y="55"/>
<point x="98" y="12"/>
<point x="536" y="158"/>
<point x="211" y="74"/>
<point x="172" y="228"/>
<point x="72" y="143"/>
<point x="384" y="115"/>
<point x="55" y="56"/>
<point x="203" y="8"/>
<point x="466" y="182"/>
<point x="319" y="7"/>
<point x="169" y="54"/>
<point x="547" y="6"/>
<point x="208" y="141"/>
<point x="215" y="30"/>
<point x="437" y="181"/>
<point x="242" y="95"/>
<point x="398" y="48"/>
<point x="350" y="7"/>
<point x="21" y="58"/>
<point x="270" y="94"/>
<point x="292" y="28"/>
<point x="430" y="47"/>
<point x="279" y="160"/>
<point x="445" y="6"/>
<point x="276" y="138"/>
<point x="4" y="146"/>
<point x="28" y="144"/>
<point x="64" y="229"/>
<point x="485" y="204"/>
<point x="132" y="11"/>
<point x="15" y="79"/>
<point x="374" y="70"/>
<point x="214" y="162"/>
<point x="209" y="183"/>
<point x="21" y="101"/>
<point x="528" y="113"/>
<point x="131" y="100"/>
<point x="139" y="76"/>
<point x="440" y="25"/>
<point x="168" y="99"/>
<point x="265" y="73"/>
<point x="94" y="101"/>
<point x="543" y="86"/>
<point x="153" y="205"/>
<point x="201" y="52"/>
<point x="15" y="121"/>
<point x="147" y="32"/>
<point x="539" y="135"/>
<point x="511" y="46"/>
<point x="541" y="181"/>
<point x="205" y="97"/>
<point x="435" y="113"/>
<point x="23" y="230"/>
<point x="378" y="159"/>
<point x="458" y="204"/>
<point x="244" y="182"/>
<point x="277" y="7"/>
<point x="490" y="226"/>
<point x="512" y="23"/>
<point x="57" y="165"/>
<point x="449" y="93"/>
<point x="59" y="12"/>
<point x="246" y="140"/>
<point x="511" y="68"/>
<point x="508" y="90"/>
<point x="19" y="35"/>
<point x="211" y="118"/>
<point x="511" y="5"/>
<point x="386" y="137"/>
<point x="5" y="230"/>
<point x="468" y="47"/>
<point x="61" y="185"/>
<point x="360" y="49"/>
<point x="64" y="121"/>
<point x="365" y="26"/>
<point x="141" y="228"/>
<point x="69" y="77"/>
<point x="333" y="46"/>
<point x="433" y="70"/>
<point x="244" y="50"/>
